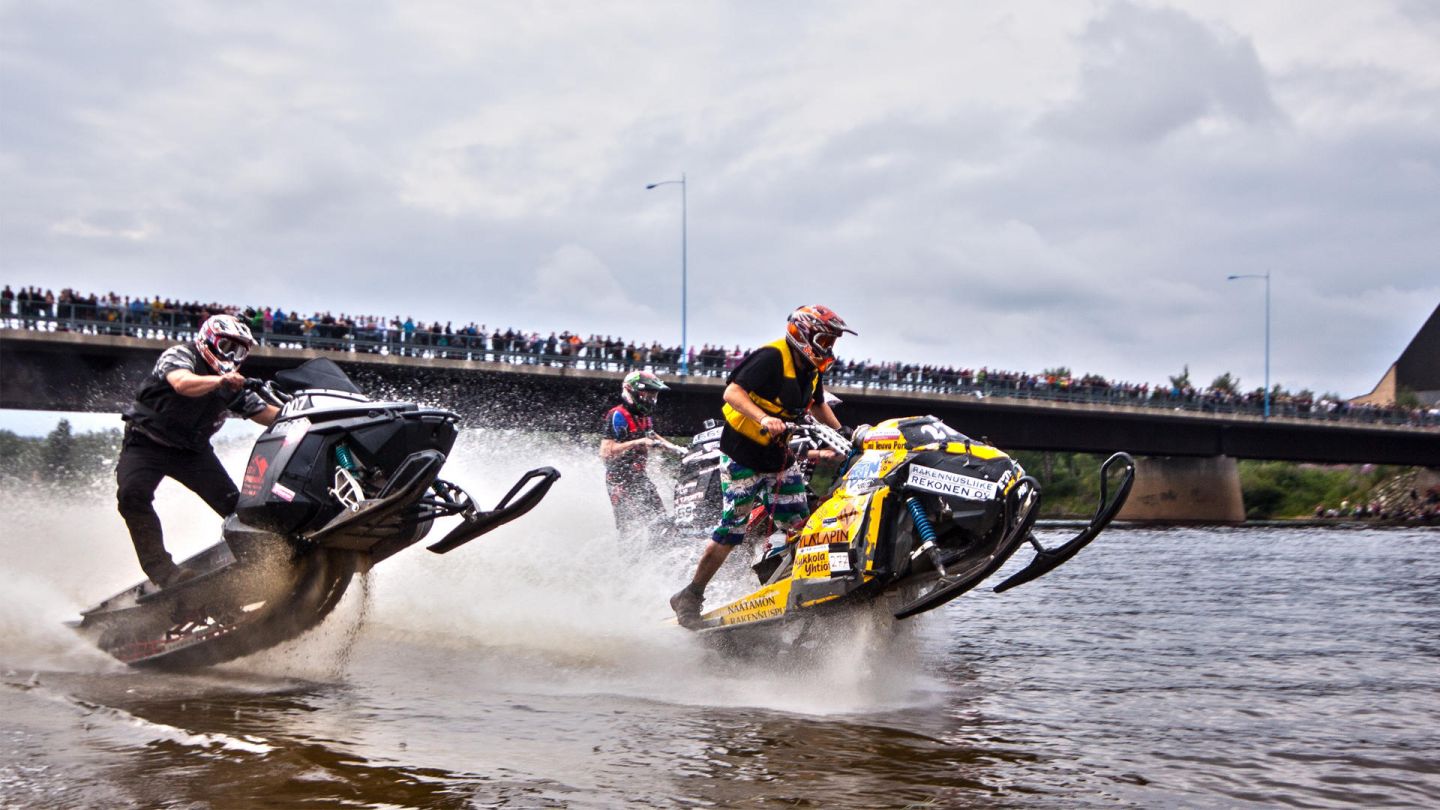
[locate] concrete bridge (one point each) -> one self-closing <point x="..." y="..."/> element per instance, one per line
<point x="1188" y="470"/>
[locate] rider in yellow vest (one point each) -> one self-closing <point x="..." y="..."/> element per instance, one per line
<point x="776" y="384"/>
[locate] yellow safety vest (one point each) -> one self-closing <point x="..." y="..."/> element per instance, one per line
<point x="749" y="428"/>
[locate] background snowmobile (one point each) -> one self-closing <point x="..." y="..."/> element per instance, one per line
<point x="697" y="484"/>
<point x="697" y="498"/>
<point x="336" y="484"/>
<point x="921" y="515"/>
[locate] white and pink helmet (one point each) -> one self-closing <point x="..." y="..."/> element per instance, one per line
<point x="224" y="342"/>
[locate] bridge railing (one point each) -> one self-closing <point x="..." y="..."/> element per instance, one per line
<point x="1119" y="397"/>
<point x="179" y="325"/>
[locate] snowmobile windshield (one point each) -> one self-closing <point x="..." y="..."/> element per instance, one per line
<point x="320" y="372"/>
<point x="922" y="430"/>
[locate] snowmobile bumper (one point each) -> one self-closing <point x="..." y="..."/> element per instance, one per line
<point x="513" y="505"/>
<point x="1047" y="560"/>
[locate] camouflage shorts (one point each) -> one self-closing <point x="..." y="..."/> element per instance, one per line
<point x="782" y="494"/>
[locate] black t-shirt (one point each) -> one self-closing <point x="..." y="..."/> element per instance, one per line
<point x="175" y="420"/>
<point x="762" y="373"/>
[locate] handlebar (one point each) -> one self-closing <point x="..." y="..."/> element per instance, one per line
<point x="266" y="390"/>
<point x="666" y="444"/>
<point x="821" y="435"/>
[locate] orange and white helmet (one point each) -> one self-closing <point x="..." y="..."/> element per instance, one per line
<point x="224" y="342"/>
<point x="813" y="331"/>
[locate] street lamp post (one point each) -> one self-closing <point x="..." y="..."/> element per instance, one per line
<point x="1266" y="276"/>
<point x="684" y="273"/>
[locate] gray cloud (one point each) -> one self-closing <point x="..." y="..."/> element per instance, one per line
<point x="1150" y="72"/>
<point x="1021" y="188"/>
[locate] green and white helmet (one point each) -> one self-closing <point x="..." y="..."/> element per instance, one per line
<point x="640" y="391"/>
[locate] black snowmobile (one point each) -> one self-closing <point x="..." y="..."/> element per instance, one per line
<point x="338" y="483"/>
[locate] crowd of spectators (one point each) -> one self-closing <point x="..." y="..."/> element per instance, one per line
<point x="1413" y="508"/>
<point x="31" y="307"/>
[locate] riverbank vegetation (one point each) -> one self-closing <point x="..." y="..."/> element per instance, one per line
<point x="1272" y="490"/>
<point x="1278" y="489"/>
<point x="62" y="457"/>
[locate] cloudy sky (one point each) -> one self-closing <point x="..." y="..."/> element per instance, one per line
<point x="1015" y="185"/>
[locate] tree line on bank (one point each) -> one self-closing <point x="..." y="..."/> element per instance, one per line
<point x="62" y="457"/>
<point x="1271" y="490"/>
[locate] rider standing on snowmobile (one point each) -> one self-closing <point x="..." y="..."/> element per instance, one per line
<point x="186" y="398"/>
<point x="625" y="446"/>
<point x="776" y="384"/>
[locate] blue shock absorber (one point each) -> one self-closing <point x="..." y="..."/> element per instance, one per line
<point x="922" y="522"/>
<point x="344" y="458"/>
<point x="927" y="534"/>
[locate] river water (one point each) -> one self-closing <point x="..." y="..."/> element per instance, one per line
<point x="533" y="668"/>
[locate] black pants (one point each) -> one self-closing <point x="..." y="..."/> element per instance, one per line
<point x="143" y="463"/>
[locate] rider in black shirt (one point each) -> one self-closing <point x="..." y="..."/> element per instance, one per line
<point x="777" y="384"/>
<point x="182" y="403"/>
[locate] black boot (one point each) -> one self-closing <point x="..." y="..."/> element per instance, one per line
<point x="687" y="604"/>
<point x="181" y="574"/>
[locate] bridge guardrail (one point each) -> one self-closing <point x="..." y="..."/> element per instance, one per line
<point x="180" y="325"/>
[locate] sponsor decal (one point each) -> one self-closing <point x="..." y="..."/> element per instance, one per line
<point x="708" y="436"/>
<point x="283" y="492"/>
<point x="293" y="430"/>
<point x="254" y="476"/>
<point x="846" y="514"/>
<point x="757" y="607"/>
<point x="817" y="565"/>
<point x="825" y="538"/>
<point x="866" y="467"/>
<point x="947" y="483"/>
<point x="756" y="602"/>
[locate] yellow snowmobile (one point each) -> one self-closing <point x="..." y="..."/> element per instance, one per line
<point x="920" y="515"/>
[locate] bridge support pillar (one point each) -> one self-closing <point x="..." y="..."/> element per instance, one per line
<point x="1200" y="490"/>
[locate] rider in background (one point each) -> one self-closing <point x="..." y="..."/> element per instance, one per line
<point x="193" y="388"/>
<point x="776" y="384"/>
<point x="625" y="446"/>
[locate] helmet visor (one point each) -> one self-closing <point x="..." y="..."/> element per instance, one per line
<point x="231" y="349"/>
